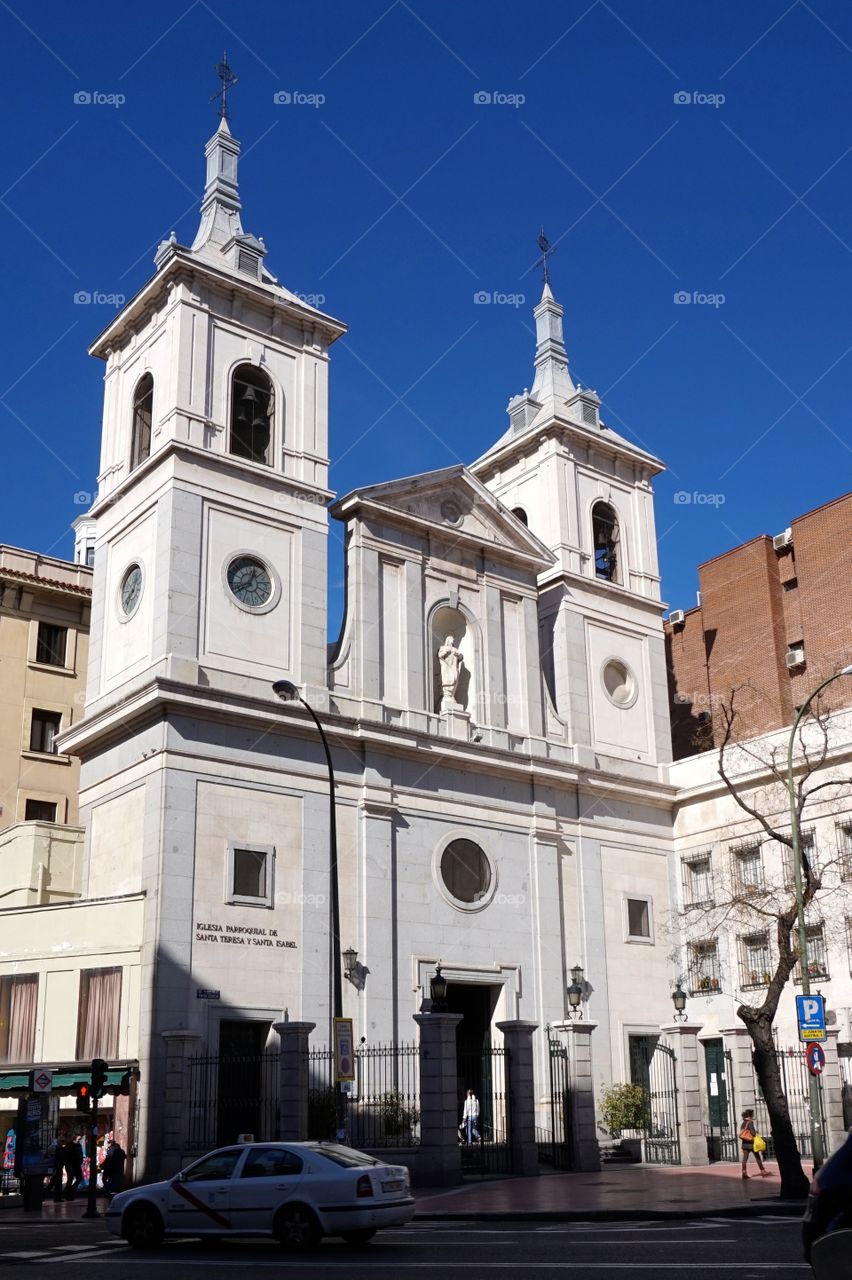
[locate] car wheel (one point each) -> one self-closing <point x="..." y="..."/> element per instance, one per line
<point x="295" y="1227"/>
<point x="142" y="1227"/>
<point x="364" y="1236"/>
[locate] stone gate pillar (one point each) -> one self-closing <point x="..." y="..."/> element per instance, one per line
<point x="180" y="1046"/>
<point x="738" y="1042"/>
<point x="517" y="1038"/>
<point x="832" y="1093"/>
<point x="439" y="1156"/>
<point x="586" y="1154"/>
<point x="293" y="1079"/>
<point x="683" y="1038"/>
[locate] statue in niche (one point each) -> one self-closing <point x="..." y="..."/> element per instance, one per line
<point x="452" y="664"/>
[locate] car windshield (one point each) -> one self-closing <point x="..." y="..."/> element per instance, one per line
<point x="346" y="1157"/>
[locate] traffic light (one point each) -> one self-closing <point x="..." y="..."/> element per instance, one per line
<point x="84" y="1097"/>
<point x="99" y="1077"/>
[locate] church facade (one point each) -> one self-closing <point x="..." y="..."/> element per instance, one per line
<point x="496" y="704"/>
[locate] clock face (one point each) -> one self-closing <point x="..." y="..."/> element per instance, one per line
<point x="131" y="590"/>
<point x="250" y="582"/>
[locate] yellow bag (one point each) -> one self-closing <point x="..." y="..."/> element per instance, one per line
<point x="759" y="1144"/>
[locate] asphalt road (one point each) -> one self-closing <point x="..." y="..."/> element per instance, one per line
<point x="744" y="1249"/>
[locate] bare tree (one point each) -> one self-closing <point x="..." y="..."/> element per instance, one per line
<point x="766" y="905"/>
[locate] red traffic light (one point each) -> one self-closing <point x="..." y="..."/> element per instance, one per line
<point x="84" y="1097"/>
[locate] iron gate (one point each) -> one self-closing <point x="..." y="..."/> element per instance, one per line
<point x="485" y="1071"/>
<point x="554" y="1142"/>
<point x="230" y="1095"/>
<point x="653" y="1068"/>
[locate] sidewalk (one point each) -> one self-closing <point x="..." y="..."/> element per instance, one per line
<point x="635" y="1191"/>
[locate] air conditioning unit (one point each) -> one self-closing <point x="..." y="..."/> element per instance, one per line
<point x="795" y="657"/>
<point x="676" y="617"/>
<point x="782" y="540"/>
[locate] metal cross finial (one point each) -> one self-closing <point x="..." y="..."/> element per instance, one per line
<point x="546" y="250"/>
<point x="226" y="75"/>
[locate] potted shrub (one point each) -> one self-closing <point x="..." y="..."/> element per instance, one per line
<point x="398" y="1118"/>
<point x="624" y="1110"/>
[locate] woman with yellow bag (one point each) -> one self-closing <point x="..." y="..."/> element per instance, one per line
<point x="752" y="1143"/>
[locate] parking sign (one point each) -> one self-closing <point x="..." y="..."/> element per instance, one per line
<point x="810" y="1015"/>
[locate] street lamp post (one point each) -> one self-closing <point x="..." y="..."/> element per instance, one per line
<point x="813" y="1085"/>
<point x="288" y="692"/>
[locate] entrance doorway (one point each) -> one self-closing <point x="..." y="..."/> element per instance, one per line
<point x="475" y="1055"/>
<point x="717" y="1084"/>
<point x="239" y="1096"/>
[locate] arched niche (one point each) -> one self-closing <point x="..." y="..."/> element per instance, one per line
<point x="447" y="622"/>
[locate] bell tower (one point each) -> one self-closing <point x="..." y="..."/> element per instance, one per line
<point x="211" y="507"/>
<point x="586" y="492"/>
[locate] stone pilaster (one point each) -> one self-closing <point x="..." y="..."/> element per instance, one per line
<point x="180" y="1045"/>
<point x="439" y="1157"/>
<point x="518" y="1042"/>
<point x="293" y="1079"/>
<point x="586" y="1155"/>
<point x="683" y="1038"/>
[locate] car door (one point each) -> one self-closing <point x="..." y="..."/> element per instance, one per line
<point x="268" y="1178"/>
<point x="199" y="1198"/>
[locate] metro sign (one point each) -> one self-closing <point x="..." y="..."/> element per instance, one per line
<point x="41" y="1081"/>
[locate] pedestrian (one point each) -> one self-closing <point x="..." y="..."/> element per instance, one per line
<point x="470" y="1117"/>
<point x="112" y="1168"/>
<point x="73" y="1162"/>
<point x="748" y="1133"/>
<point x="56" y="1158"/>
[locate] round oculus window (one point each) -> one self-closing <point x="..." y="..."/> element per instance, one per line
<point x="250" y="582"/>
<point x="131" y="590"/>
<point x="465" y="871"/>
<point x="619" y="683"/>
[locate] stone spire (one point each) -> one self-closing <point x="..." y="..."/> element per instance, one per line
<point x="220" y="208"/>
<point x="552" y="387"/>
<point x="220" y="238"/>
<point x="552" y="379"/>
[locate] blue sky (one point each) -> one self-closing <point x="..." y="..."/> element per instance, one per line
<point x="400" y="197"/>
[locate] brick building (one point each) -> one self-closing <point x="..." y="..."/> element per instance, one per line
<point x="774" y="618"/>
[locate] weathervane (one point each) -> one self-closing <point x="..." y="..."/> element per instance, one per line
<point x="226" y="75"/>
<point x="546" y="250"/>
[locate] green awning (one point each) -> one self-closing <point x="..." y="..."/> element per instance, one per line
<point x="63" y="1081"/>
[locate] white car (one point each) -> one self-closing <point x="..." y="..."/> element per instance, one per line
<point x="294" y="1191"/>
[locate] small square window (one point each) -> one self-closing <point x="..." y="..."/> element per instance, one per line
<point x="638" y="918"/>
<point x="39" y="811"/>
<point x="250" y="874"/>
<point x="44" y="727"/>
<point x="52" y="645"/>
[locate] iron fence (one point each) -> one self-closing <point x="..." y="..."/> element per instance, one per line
<point x="379" y="1108"/>
<point x="844" y="1054"/>
<point x="232" y="1095"/>
<point x="795" y="1077"/>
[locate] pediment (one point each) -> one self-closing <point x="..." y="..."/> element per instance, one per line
<point x="456" y="502"/>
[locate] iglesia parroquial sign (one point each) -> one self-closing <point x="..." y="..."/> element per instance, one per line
<point x="239" y="935"/>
